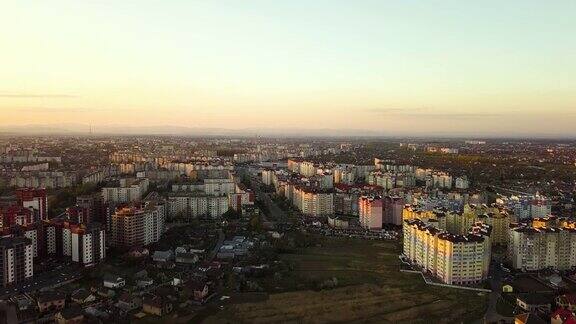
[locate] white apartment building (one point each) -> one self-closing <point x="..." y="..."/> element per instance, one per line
<point x="193" y="206"/>
<point x="423" y="174"/>
<point x="267" y="176"/>
<point x="346" y="176"/>
<point x="32" y="234"/>
<point x="440" y="180"/>
<point x="50" y="238"/>
<point x="532" y="249"/>
<point x="130" y="190"/>
<point x="17" y="260"/>
<point x="88" y="244"/>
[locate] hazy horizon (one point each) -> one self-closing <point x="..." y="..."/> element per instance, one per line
<point x="376" y="68"/>
<point x="168" y="130"/>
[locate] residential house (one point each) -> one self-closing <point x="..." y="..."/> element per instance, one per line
<point x="103" y="292"/>
<point x="156" y="305"/>
<point x="73" y="315"/>
<point x="138" y="252"/>
<point x="144" y="282"/>
<point x="128" y="303"/>
<point x="50" y="301"/>
<point x="567" y="301"/>
<point x="82" y="296"/>
<point x="507" y="289"/>
<point x="197" y="289"/>
<point x="533" y="302"/>
<point x="185" y="257"/>
<point x="113" y="282"/>
<point x="163" y="256"/>
<point x="562" y="316"/>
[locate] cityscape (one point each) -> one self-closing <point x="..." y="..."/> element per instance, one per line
<point x="288" y="162"/>
<point x="156" y="228"/>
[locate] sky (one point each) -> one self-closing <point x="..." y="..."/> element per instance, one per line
<point x="390" y="67"/>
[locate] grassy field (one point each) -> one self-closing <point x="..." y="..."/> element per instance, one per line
<point x="370" y="289"/>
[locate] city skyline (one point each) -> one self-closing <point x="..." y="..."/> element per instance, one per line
<point x="377" y="68"/>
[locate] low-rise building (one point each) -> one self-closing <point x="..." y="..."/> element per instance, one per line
<point x="156" y="305"/>
<point x="50" y="301"/>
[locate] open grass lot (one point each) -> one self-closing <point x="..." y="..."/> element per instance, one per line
<point x="370" y="289"/>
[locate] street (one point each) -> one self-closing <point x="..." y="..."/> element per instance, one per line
<point x="60" y="275"/>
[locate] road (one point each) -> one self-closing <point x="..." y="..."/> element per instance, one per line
<point x="218" y="245"/>
<point x="62" y="274"/>
<point x="276" y="214"/>
<point x="492" y="315"/>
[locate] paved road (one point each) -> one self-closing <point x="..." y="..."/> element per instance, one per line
<point x="276" y="213"/>
<point x="60" y="275"/>
<point x="492" y="315"/>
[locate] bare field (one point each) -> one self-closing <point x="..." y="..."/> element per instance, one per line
<point x="370" y="289"/>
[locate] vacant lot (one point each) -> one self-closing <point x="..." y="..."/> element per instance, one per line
<point x="370" y="289"/>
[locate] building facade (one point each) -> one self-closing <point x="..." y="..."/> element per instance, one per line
<point x="452" y="258"/>
<point x="370" y="210"/>
<point x="16" y="260"/>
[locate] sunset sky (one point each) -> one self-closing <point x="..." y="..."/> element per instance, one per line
<point x="485" y="67"/>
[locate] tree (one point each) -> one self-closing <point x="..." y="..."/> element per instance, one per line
<point x="256" y="223"/>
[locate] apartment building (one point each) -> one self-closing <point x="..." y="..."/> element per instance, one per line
<point x="194" y="206"/>
<point x="370" y="212"/>
<point x="439" y="180"/>
<point x="393" y="208"/>
<point x="313" y="202"/>
<point x="344" y="175"/>
<point x="532" y="206"/>
<point x="16" y="215"/>
<point x="346" y="203"/>
<point x="267" y="176"/>
<point x="452" y="258"/>
<point x="35" y="199"/>
<point x="129" y="190"/>
<point x="137" y="225"/>
<point x="43" y="179"/>
<point x="461" y="222"/>
<point x="535" y="248"/>
<point x="87" y="244"/>
<point x="16" y="260"/>
<point x="97" y="208"/>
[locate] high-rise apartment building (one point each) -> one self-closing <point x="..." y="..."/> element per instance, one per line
<point x="313" y="202"/>
<point x="186" y="206"/>
<point x="370" y="212"/>
<point x="16" y="260"/>
<point x="452" y="258"/>
<point x="88" y="244"/>
<point x="532" y="248"/>
<point x="393" y="209"/>
<point x="35" y="199"/>
<point x="137" y="226"/>
<point x="130" y="190"/>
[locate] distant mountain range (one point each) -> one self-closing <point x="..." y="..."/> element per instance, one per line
<point x="83" y="129"/>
